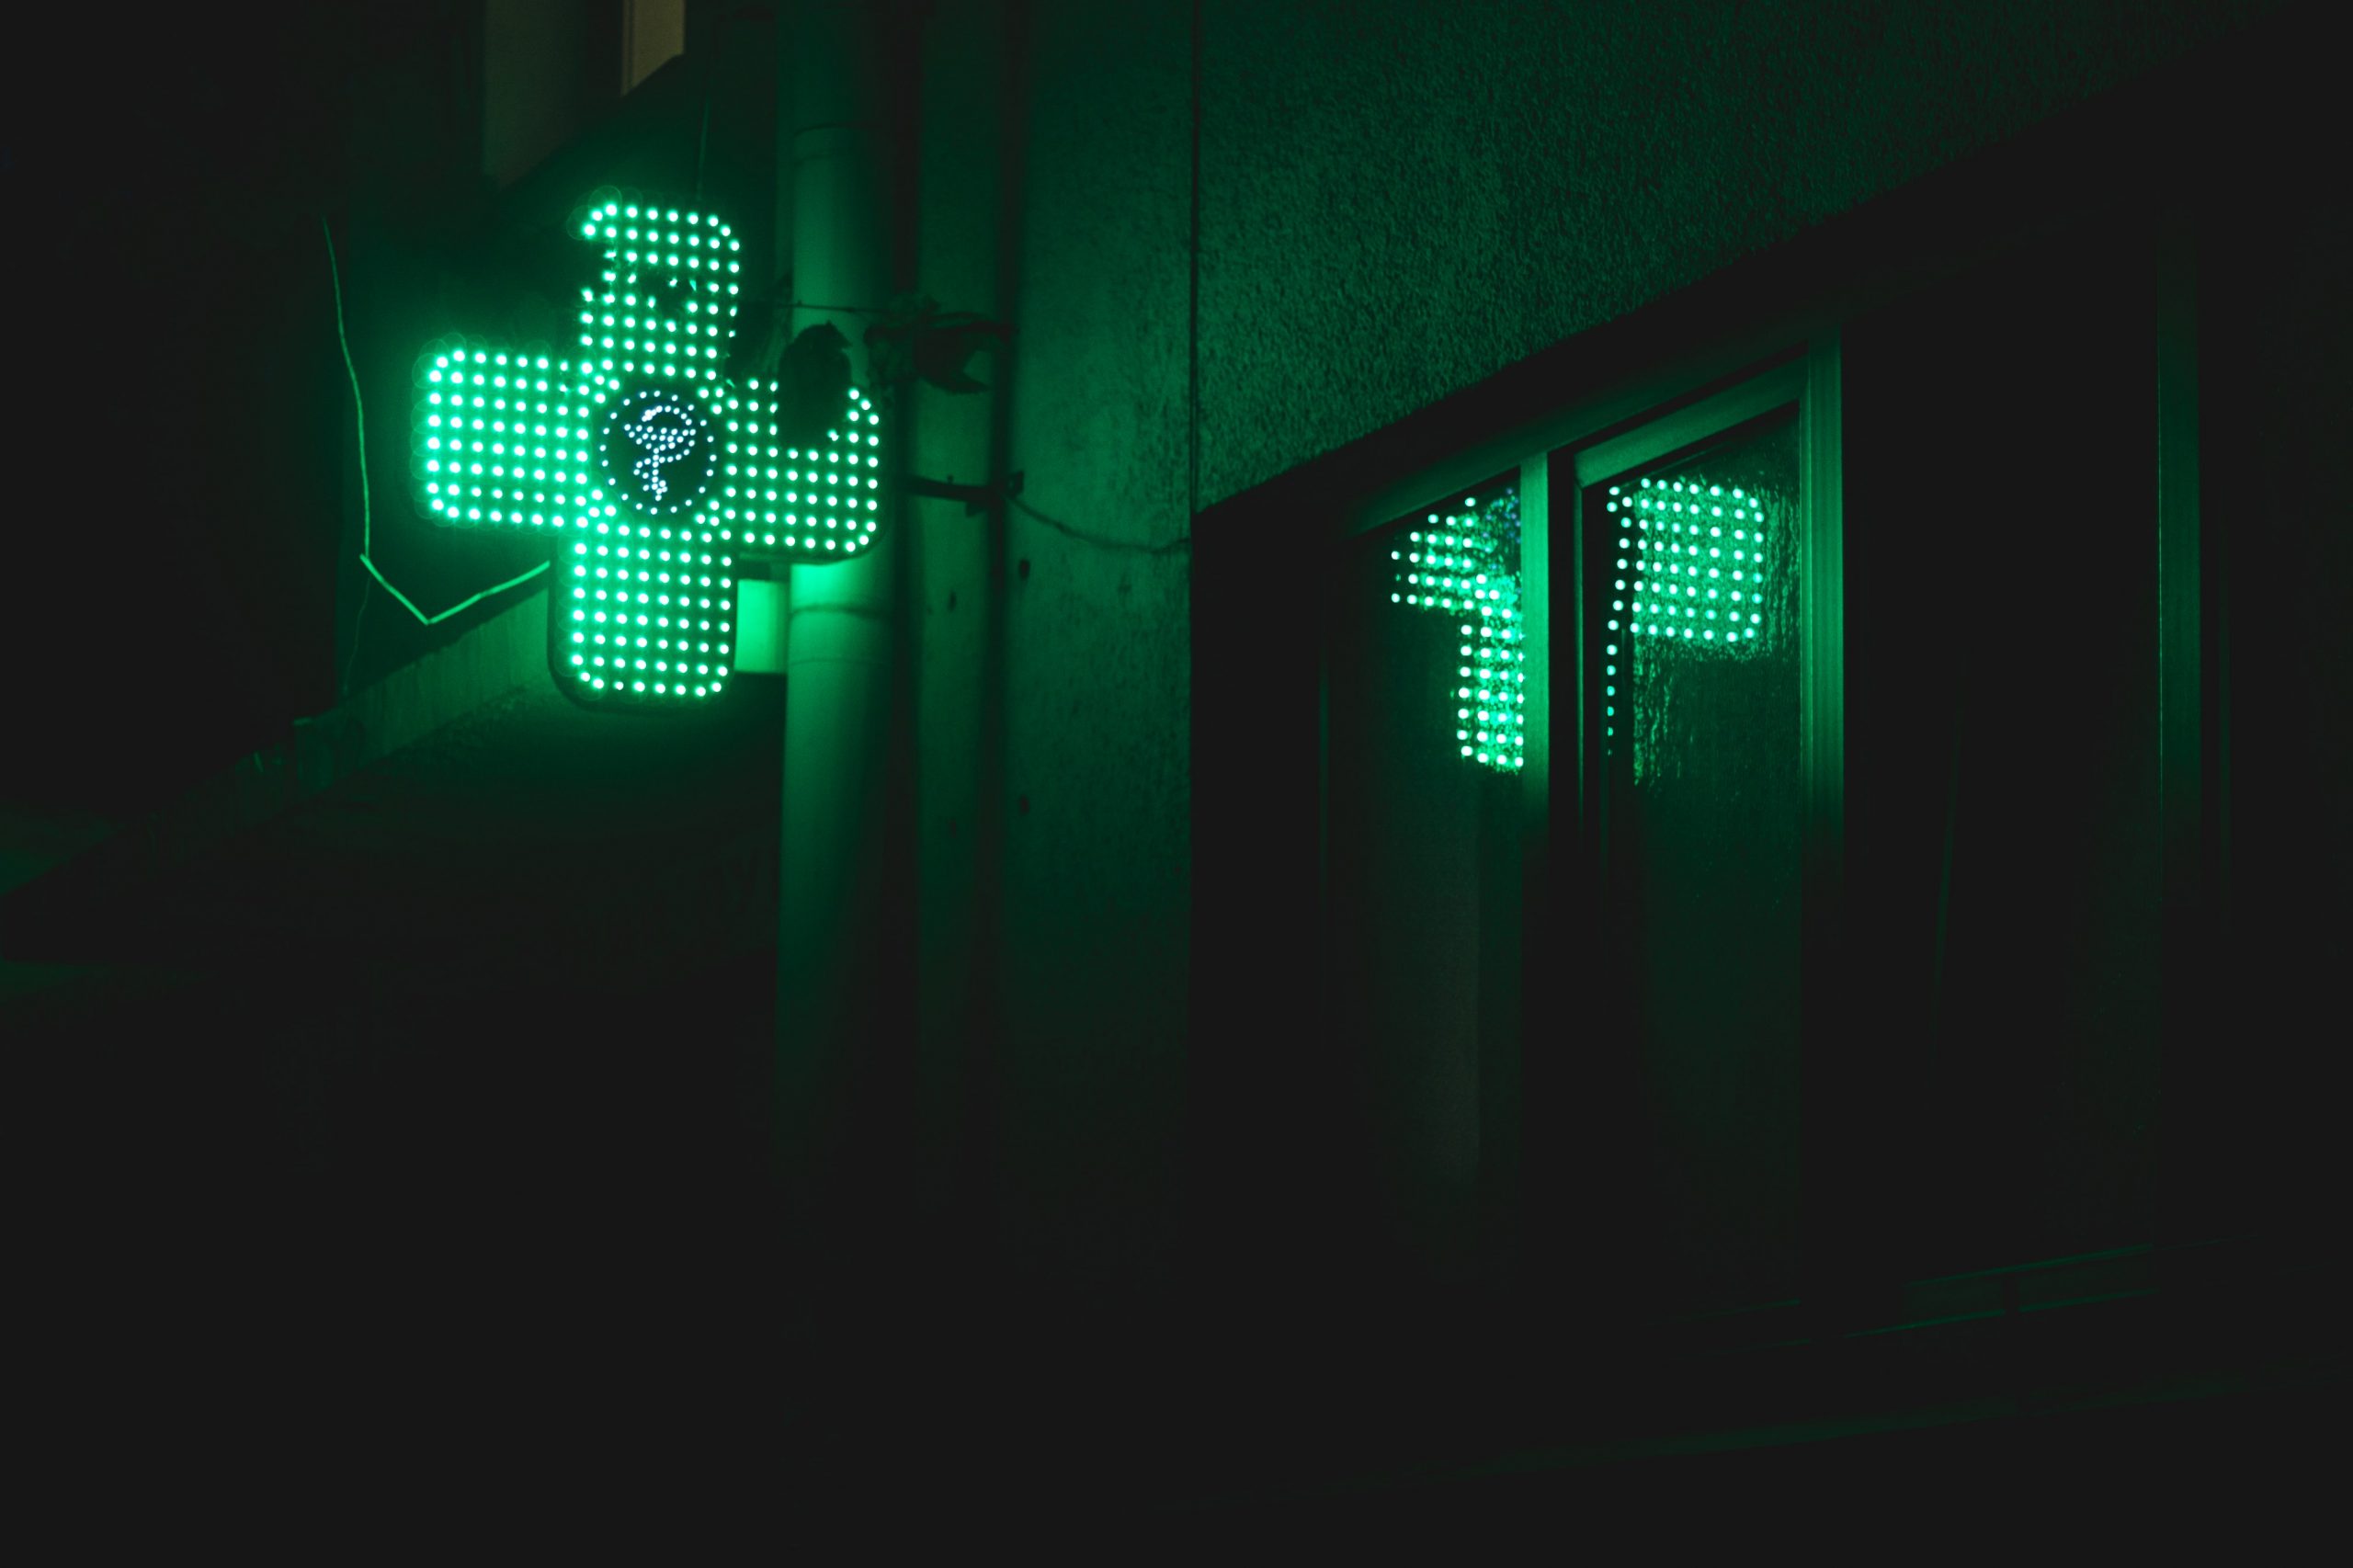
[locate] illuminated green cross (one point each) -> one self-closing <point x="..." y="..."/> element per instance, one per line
<point x="654" y="474"/>
<point x="1468" y="565"/>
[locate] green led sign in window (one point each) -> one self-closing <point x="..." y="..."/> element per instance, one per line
<point x="1695" y="557"/>
<point x="653" y="473"/>
<point x="1695" y="574"/>
<point x="1467" y="567"/>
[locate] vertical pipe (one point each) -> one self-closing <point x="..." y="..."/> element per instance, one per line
<point x="1825" y="1044"/>
<point x="958" y="563"/>
<point x="833" y="959"/>
<point x="2186" y="932"/>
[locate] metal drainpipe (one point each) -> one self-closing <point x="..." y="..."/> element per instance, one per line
<point x="833" y="947"/>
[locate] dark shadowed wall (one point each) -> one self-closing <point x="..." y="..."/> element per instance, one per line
<point x="1391" y="203"/>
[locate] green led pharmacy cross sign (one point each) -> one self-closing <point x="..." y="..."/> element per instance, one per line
<point x="1467" y="568"/>
<point x="651" y="472"/>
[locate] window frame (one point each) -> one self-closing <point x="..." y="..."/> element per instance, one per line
<point x="1562" y="821"/>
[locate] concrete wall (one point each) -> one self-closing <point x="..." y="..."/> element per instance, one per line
<point x="1093" y="962"/>
<point x="1395" y="201"/>
<point x="1055" y="729"/>
<point x="1398" y="200"/>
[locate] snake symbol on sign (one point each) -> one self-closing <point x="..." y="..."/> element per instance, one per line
<point x="664" y="441"/>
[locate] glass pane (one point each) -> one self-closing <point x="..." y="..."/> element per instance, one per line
<point x="1694" y="599"/>
<point x="2003" y="828"/>
<point x="1423" y="749"/>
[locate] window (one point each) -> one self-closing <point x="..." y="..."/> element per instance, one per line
<point x="1704" y="740"/>
<point x="2004" y="838"/>
<point x="1425" y="750"/>
<point x="1701" y="733"/>
<point x="1785" y="963"/>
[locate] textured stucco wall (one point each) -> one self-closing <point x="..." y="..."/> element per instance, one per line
<point x="1097" y="851"/>
<point x="1400" y="199"/>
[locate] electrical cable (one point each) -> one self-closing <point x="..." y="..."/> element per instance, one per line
<point x="367" y="510"/>
<point x="844" y="309"/>
<point x="1181" y="542"/>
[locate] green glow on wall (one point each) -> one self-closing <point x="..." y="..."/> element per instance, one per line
<point x="1467" y="567"/>
<point x="654" y="473"/>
